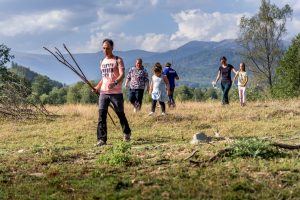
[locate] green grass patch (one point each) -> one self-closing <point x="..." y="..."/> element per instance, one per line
<point x="255" y="148"/>
<point x="119" y="155"/>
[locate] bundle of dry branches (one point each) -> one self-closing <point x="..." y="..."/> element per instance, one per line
<point x="14" y="98"/>
<point x="76" y="69"/>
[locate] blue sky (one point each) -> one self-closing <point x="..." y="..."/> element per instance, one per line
<point x="152" y="25"/>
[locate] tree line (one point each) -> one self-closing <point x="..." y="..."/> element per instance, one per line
<point x="275" y="71"/>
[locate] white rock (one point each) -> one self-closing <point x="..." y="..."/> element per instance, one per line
<point x="199" y="137"/>
<point x="21" y="151"/>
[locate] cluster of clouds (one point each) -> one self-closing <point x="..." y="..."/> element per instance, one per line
<point x="89" y="23"/>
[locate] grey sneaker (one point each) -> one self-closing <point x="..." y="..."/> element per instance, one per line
<point x="126" y="137"/>
<point x="100" y="143"/>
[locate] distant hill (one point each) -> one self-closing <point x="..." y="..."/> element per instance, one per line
<point x="196" y="62"/>
<point x="29" y="75"/>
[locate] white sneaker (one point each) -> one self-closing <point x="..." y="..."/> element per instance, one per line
<point x="151" y="113"/>
<point x="163" y="114"/>
<point x="134" y="110"/>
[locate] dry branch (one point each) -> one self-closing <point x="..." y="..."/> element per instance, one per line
<point x="286" y="146"/>
<point x="193" y="153"/>
<point x="14" y="101"/>
<point x="60" y="57"/>
<point x="222" y="153"/>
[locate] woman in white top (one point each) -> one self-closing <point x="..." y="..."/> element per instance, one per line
<point x="242" y="82"/>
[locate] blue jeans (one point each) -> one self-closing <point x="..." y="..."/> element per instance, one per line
<point x="225" y="86"/>
<point x="136" y="97"/>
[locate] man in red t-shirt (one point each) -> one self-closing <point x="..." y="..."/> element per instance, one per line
<point x="112" y="69"/>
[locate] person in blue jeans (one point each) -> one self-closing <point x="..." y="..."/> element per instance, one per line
<point x="171" y="75"/>
<point x="226" y="82"/>
<point x="138" y="81"/>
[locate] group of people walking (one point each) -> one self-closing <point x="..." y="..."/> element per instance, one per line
<point x="160" y="87"/>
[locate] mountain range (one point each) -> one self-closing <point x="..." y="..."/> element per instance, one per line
<point x="196" y="62"/>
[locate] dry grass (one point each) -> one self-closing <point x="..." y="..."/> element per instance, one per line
<point x="56" y="158"/>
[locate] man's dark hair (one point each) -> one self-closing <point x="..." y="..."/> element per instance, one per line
<point x="168" y="64"/>
<point x="109" y="41"/>
<point x="223" y="58"/>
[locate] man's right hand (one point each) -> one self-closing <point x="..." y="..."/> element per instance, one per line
<point x="95" y="90"/>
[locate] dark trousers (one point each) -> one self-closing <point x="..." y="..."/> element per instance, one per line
<point x="225" y="88"/>
<point x="136" y="97"/>
<point x="171" y="97"/>
<point x="162" y="105"/>
<point x="118" y="105"/>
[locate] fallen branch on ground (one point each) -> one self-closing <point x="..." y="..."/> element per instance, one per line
<point x="247" y="148"/>
<point x="193" y="153"/>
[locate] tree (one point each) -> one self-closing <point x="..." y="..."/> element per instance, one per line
<point x="211" y="93"/>
<point x="57" y="96"/>
<point x="87" y="96"/>
<point x="198" y="94"/>
<point x="41" y="85"/>
<point x="261" y="39"/>
<point x="74" y="95"/>
<point x="288" y="73"/>
<point x="183" y="93"/>
<point x="4" y="55"/>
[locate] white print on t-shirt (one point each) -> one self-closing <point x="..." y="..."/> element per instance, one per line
<point x="107" y="70"/>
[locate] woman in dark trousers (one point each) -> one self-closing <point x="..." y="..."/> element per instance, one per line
<point x="226" y="82"/>
<point x="138" y="79"/>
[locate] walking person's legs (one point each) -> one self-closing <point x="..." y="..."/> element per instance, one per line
<point x="132" y="97"/>
<point x="118" y="103"/>
<point x="171" y="97"/>
<point x="223" y="93"/>
<point x="241" y="95"/>
<point x="102" y="124"/>
<point x="153" y="106"/>
<point x="244" y="95"/>
<point x="139" y="97"/>
<point x="227" y="87"/>
<point x="163" y="107"/>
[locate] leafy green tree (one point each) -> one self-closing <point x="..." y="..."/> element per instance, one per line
<point x="261" y="39"/>
<point x="44" y="98"/>
<point x="288" y="73"/>
<point x="4" y="55"/>
<point x="87" y="96"/>
<point x="41" y="85"/>
<point x="57" y="96"/>
<point x="74" y="95"/>
<point x="198" y="94"/>
<point x="183" y="93"/>
<point x="211" y="93"/>
<point x="23" y="72"/>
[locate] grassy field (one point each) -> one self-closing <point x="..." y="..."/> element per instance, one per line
<point x="56" y="158"/>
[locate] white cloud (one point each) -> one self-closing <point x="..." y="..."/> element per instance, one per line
<point x="148" y="42"/>
<point x="154" y="2"/>
<point x="198" y="25"/>
<point x="296" y="6"/>
<point x="293" y="28"/>
<point x="192" y="25"/>
<point x="112" y="16"/>
<point x="110" y="21"/>
<point x="21" y="24"/>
